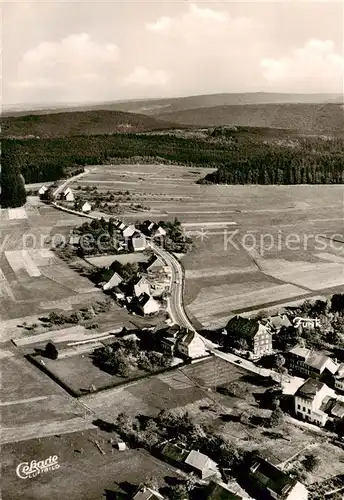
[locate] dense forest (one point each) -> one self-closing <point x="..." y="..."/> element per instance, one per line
<point x="12" y="183"/>
<point x="241" y="158"/>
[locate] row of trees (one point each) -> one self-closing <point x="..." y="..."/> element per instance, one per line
<point x="281" y="166"/>
<point x="247" y="160"/>
<point x="13" y="192"/>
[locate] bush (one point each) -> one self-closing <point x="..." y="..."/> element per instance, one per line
<point x="51" y="351"/>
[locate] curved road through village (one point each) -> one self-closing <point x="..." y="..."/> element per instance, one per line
<point x="176" y="305"/>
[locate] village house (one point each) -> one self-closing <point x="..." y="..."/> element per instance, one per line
<point x="141" y="285"/>
<point x="145" y="493"/>
<point x="204" y="467"/>
<point x="278" y="322"/>
<point x="138" y="242"/>
<point x="147" y="305"/>
<point x="306" y="323"/>
<point x="217" y="490"/>
<point x="67" y="195"/>
<point x="113" y="282"/>
<point x="310" y="363"/>
<point x="177" y="340"/>
<point x="153" y="229"/>
<point x="129" y="231"/>
<point x="155" y="265"/>
<point x="191" y="345"/>
<point x="85" y="207"/>
<point x="256" y="334"/>
<point x="42" y="190"/>
<point x="339" y="378"/>
<point x="311" y="401"/>
<point x="267" y="481"/>
<point x="118" y="293"/>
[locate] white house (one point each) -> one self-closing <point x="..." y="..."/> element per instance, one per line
<point x="67" y="195"/>
<point x="141" y="285"/>
<point x="129" y="231"/>
<point x="145" y="493"/>
<point x="204" y="466"/>
<point x="138" y="242"/>
<point x="86" y="207"/>
<point x="42" y="190"/>
<point x="191" y="345"/>
<point x="158" y="231"/>
<point x="114" y="281"/>
<point x="148" y="305"/>
<point x="310" y="400"/>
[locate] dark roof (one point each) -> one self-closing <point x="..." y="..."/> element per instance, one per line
<point x="215" y="491"/>
<point x="244" y="326"/>
<point x="154" y="261"/>
<point x="310" y="388"/>
<point x="144" y="298"/>
<point x="267" y="476"/>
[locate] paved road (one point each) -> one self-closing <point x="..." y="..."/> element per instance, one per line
<point x="179" y="316"/>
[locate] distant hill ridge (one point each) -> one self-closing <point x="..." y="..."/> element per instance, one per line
<point x="306" y="118"/>
<point x="156" y="106"/>
<point x="79" y="123"/>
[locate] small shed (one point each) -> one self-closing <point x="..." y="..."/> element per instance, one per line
<point x="121" y="446"/>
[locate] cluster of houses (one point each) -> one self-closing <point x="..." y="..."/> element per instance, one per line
<point x="320" y="398"/>
<point x="261" y="479"/>
<point x="152" y="229"/>
<point x="141" y="292"/>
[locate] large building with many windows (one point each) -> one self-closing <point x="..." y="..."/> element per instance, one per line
<point x="256" y="334"/>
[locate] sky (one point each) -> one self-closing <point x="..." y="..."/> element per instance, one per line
<point x="57" y="52"/>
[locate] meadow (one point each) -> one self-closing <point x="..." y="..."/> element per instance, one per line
<point x="255" y="247"/>
<point x="192" y="389"/>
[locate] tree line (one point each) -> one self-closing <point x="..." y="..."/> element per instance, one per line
<point x="243" y="158"/>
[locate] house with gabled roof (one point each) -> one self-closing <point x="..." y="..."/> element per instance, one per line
<point x="138" y="242"/>
<point x="310" y="363"/>
<point x="113" y="282"/>
<point x="42" y="190"/>
<point x="129" y="231"/>
<point x="204" y="466"/>
<point x="141" y="285"/>
<point x="67" y="195"/>
<point x="311" y="401"/>
<point x="278" y="322"/>
<point x="147" y="305"/>
<point x="217" y="490"/>
<point x="269" y="482"/>
<point x="191" y="345"/>
<point x="153" y="229"/>
<point x="154" y="265"/>
<point x="145" y="493"/>
<point x="86" y="207"/>
<point x="257" y="335"/>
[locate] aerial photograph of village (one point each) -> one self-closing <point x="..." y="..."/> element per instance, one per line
<point x="172" y="250"/>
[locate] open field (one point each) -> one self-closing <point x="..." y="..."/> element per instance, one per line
<point x="84" y="473"/>
<point x="32" y="404"/>
<point x="226" y="223"/>
<point x="192" y="389"/>
<point x="33" y="280"/>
